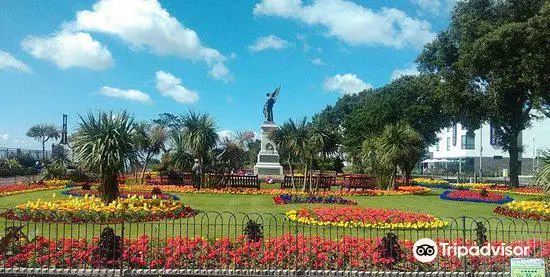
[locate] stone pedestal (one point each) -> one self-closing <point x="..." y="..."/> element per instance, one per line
<point x="268" y="164"/>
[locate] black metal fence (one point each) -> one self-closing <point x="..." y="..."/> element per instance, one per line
<point x="259" y="243"/>
<point x="36" y="154"/>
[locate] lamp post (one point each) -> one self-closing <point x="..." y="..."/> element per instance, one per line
<point x="480" y="153"/>
<point x="534" y="155"/>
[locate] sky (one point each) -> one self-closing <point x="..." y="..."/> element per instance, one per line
<point x="214" y="56"/>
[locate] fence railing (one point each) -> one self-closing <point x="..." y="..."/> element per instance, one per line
<point x="259" y="243"/>
<point x="36" y="154"/>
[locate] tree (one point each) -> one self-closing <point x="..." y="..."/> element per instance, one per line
<point x="42" y="133"/>
<point x="199" y="134"/>
<point x="103" y="144"/>
<point x="230" y="155"/>
<point x="179" y="155"/>
<point x="542" y="177"/>
<point x="400" y="146"/>
<point x="324" y="142"/>
<point x="150" y="140"/>
<point x="414" y="100"/>
<point x="374" y="161"/>
<point x="283" y="137"/>
<point x="493" y="65"/>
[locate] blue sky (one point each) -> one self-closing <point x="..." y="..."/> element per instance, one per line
<point x="213" y="56"/>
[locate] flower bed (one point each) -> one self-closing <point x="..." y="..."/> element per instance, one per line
<point x="24" y="188"/>
<point x="123" y="194"/>
<point x="93" y="209"/>
<point x="505" y="189"/>
<point x="475" y="196"/>
<point x="282" y="252"/>
<point x="431" y="183"/>
<point x="364" y="217"/>
<point x="404" y="190"/>
<point x="284" y="199"/>
<point x="536" y="210"/>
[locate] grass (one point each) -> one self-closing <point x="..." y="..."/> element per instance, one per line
<point x="261" y="208"/>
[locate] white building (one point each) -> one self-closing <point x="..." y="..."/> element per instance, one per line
<point x="456" y="145"/>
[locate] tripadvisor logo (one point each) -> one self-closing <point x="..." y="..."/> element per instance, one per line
<point x="426" y="250"/>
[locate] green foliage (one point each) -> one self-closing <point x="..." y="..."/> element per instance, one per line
<point x="10" y="168"/>
<point x="103" y="144"/>
<point x="414" y="100"/>
<point x="398" y="146"/>
<point x="493" y="65"/>
<point x="150" y="140"/>
<point x="542" y="178"/>
<point x="43" y="132"/>
<point x="55" y="170"/>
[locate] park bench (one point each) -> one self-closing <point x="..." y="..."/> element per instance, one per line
<point x="173" y="178"/>
<point x="324" y="182"/>
<point x="358" y="182"/>
<point x="242" y="181"/>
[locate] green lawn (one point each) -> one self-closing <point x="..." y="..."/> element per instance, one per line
<point x="226" y="215"/>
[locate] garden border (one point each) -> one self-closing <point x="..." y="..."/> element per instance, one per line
<point x="239" y="272"/>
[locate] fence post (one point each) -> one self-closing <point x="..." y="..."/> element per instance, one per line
<point x="464" y="259"/>
<point x="122" y="249"/>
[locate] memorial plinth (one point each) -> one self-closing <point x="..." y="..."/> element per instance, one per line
<point x="268" y="164"/>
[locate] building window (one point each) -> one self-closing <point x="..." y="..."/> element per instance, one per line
<point x="468" y="142"/>
<point x="448" y="144"/>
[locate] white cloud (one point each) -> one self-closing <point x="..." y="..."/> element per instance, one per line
<point x="170" y="85"/>
<point x="345" y="84"/>
<point x="131" y="94"/>
<point x="353" y="23"/>
<point x="436" y="7"/>
<point x="410" y="70"/>
<point x="269" y="42"/>
<point x="67" y="49"/>
<point x="318" y="61"/>
<point x="145" y="24"/>
<point x="223" y="134"/>
<point x="4" y="137"/>
<point x="7" y="61"/>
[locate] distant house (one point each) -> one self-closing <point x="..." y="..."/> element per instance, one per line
<point x="455" y="144"/>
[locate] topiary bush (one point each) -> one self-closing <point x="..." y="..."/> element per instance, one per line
<point x="254" y="231"/>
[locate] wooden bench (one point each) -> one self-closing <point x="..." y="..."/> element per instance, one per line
<point x="242" y="181"/>
<point x="173" y="178"/>
<point x="358" y="182"/>
<point x="323" y="182"/>
<point x="298" y="182"/>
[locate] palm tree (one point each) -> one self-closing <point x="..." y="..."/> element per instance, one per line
<point x="179" y="154"/>
<point x="103" y="144"/>
<point x="151" y="141"/>
<point x="374" y="162"/>
<point x="199" y="134"/>
<point x="283" y="138"/>
<point x="42" y="133"/>
<point x="400" y="145"/>
<point x="542" y="178"/>
<point x="325" y="142"/>
<point x="301" y="146"/>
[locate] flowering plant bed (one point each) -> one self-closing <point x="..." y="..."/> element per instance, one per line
<point x="123" y="194"/>
<point x="431" y="183"/>
<point x="403" y="190"/>
<point x="475" y="196"/>
<point x="284" y="199"/>
<point x="282" y="252"/>
<point x="364" y="217"/>
<point x="32" y="187"/>
<point x="93" y="209"/>
<point x="536" y="210"/>
<point x="506" y="189"/>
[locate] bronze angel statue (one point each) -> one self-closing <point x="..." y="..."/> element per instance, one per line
<point x="268" y="107"/>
